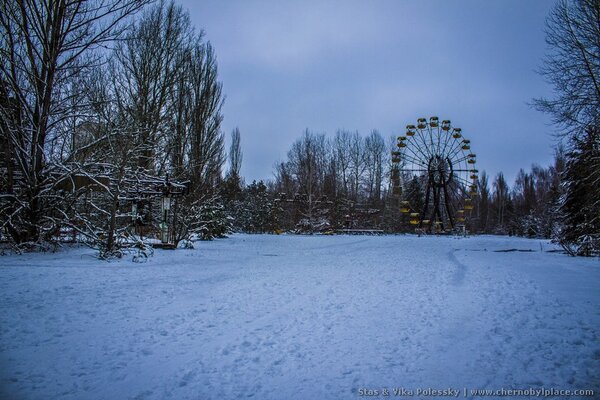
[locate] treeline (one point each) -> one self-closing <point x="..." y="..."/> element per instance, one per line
<point x="344" y="182"/>
<point x="528" y="207"/>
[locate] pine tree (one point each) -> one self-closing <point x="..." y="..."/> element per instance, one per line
<point x="213" y="221"/>
<point x="257" y="215"/>
<point x="580" y="206"/>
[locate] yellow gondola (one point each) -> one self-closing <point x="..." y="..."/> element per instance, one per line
<point x="471" y="161"/>
<point x="421" y="123"/>
<point x="401" y="137"/>
<point x="474" y="177"/>
<point x="446" y="125"/>
<point x="466" y="147"/>
<point x="468" y="206"/>
<point x="426" y="221"/>
<point x="404" y="210"/>
<point x="434" y="122"/>
<point x="456" y="133"/>
<point x="414" y="222"/>
<point x="396" y="153"/>
<point x="401" y="144"/>
<point x="414" y="215"/>
<point x="460" y="219"/>
<point x="410" y="130"/>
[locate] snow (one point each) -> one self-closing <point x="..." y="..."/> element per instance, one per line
<point x="299" y="317"/>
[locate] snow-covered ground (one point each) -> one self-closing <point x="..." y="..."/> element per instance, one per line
<point x="300" y="317"/>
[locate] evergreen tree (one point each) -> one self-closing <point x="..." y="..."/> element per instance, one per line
<point x="580" y="233"/>
<point x="257" y="214"/>
<point x="213" y="221"/>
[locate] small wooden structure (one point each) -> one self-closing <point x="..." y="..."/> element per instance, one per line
<point x="146" y="199"/>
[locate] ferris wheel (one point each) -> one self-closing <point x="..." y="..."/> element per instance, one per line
<point x="434" y="176"/>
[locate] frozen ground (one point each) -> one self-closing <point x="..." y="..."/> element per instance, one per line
<point x="298" y="317"/>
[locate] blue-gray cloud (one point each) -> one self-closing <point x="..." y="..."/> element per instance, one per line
<point x="362" y="65"/>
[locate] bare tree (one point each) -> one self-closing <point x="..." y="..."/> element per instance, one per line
<point x="483" y="202"/>
<point x="341" y="146"/>
<point x="500" y="202"/>
<point x="106" y="158"/>
<point x="202" y="147"/>
<point x="148" y="64"/>
<point x="177" y="143"/>
<point x="207" y="154"/>
<point x="307" y="162"/>
<point x="231" y="189"/>
<point x="235" y="153"/>
<point x="357" y="164"/>
<point x="573" y="65"/>
<point x="45" y="46"/>
<point x="284" y="179"/>
<point x="375" y="156"/>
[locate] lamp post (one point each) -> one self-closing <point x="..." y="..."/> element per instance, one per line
<point x="165" y="206"/>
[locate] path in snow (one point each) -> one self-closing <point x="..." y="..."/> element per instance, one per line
<point x="298" y="317"/>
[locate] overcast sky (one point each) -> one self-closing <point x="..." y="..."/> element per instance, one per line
<point x="362" y="65"/>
